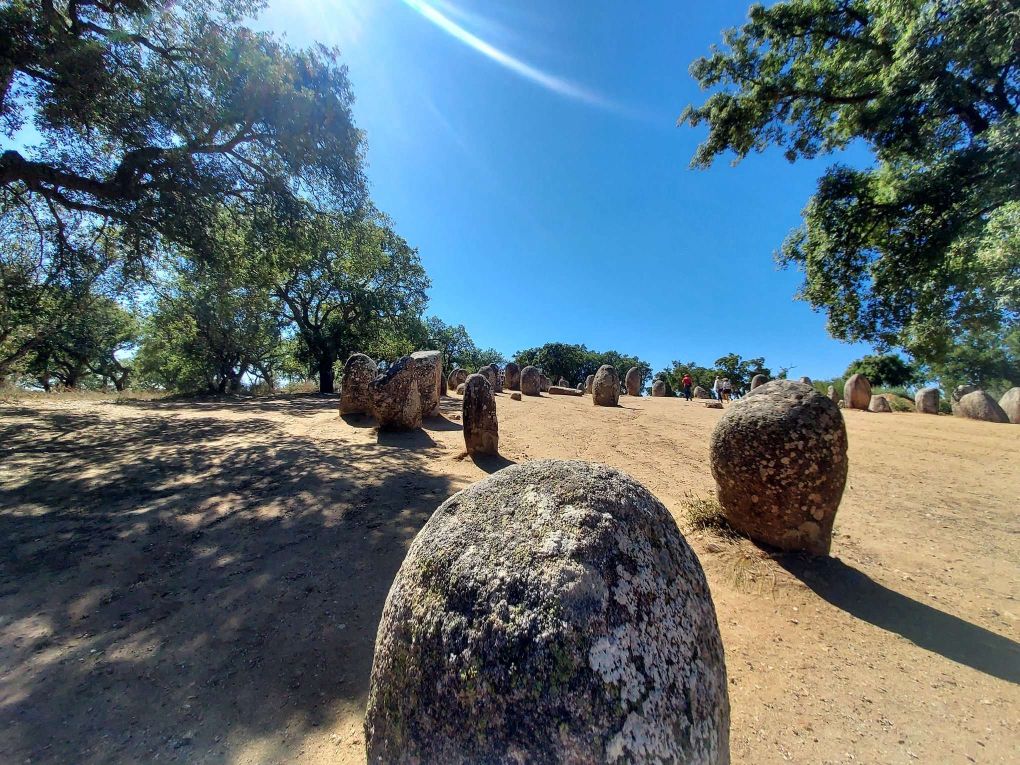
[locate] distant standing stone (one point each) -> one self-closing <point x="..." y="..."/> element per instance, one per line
<point x="457" y="376"/>
<point x="396" y="396"/>
<point x="515" y="396"/>
<point x="833" y="395"/>
<point x="758" y="380"/>
<point x="978" y="405"/>
<point x="546" y="385"/>
<point x="551" y="613"/>
<point x="658" y="389"/>
<point x="926" y="400"/>
<point x="355" y="393"/>
<point x="1010" y="403"/>
<point x="558" y="390"/>
<point x="588" y="382"/>
<point x="779" y="458"/>
<point x="632" y="380"/>
<point x="879" y="404"/>
<point x="481" y="429"/>
<point x="957" y="395"/>
<point x="512" y="377"/>
<point x="606" y="387"/>
<point x="531" y="381"/>
<point x="490" y="374"/>
<point x="429" y="370"/>
<point x="700" y="392"/>
<point x="857" y="392"/>
<point x="461" y="388"/>
<point x="563" y="383"/>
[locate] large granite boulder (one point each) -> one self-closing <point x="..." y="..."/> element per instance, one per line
<point x="978" y="405"/>
<point x="779" y="460"/>
<point x="429" y="370"/>
<point x="879" y="404"/>
<point x="758" y="380"/>
<point x="457" y="376"/>
<point x="355" y="396"/>
<point x="605" y="389"/>
<point x="700" y="392"/>
<point x="512" y="377"/>
<point x="857" y="392"/>
<point x="1010" y="403"/>
<point x="478" y="413"/>
<point x="396" y="396"/>
<point x="558" y="390"/>
<point x="659" y="389"/>
<point x="957" y="395"/>
<point x="632" y="380"/>
<point x="531" y="381"/>
<point x="551" y="613"/>
<point x="588" y="382"/>
<point x="926" y="400"/>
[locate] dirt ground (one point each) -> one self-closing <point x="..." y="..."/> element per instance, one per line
<point x="200" y="581"/>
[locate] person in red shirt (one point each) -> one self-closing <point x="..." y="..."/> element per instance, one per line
<point x="688" y="383"/>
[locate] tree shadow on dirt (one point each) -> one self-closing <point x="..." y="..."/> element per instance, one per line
<point x="856" y="593"/>
<point x="175" y="587"/>
<point x="295" y="404"/>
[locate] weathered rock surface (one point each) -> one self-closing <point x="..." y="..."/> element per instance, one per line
<point x="713" y="405"/>
<point x="355" y="395"/>
<point x="632" y="381"/>
<point x="457" y="376"/>
<point x="550" y="613"/>
<point x="833" y="395"/>
<point x="461" y="388"/>
<point x="481" y="428"/>
<point x="605" y="389"/>
<point x="758" y="380"/>
<point x="563" y="383"/>
<point x="515" y="396"/>
<point x="806" y="380"/>
<point x="1010" y="403"/>
<point x="978" y="405"/>
<point x="588" y="382"/>
<point x="531" y="381"/>
<point x="546" y="385"/>
<point x="926" y="400"/>
<point x="558" y="390"/>
<point x="879" y="404"/>
<point x="700" y="392"/>
<point x="960" y="391"/>
<point x="396" y="396"/>
<point x="779" y="460"/>
<point x="429" y="370"/>
<point x="512" y="377"/>
<point x="659" y="389"/>
<point x="857" y="392"/>
<point x="491" y="374"/>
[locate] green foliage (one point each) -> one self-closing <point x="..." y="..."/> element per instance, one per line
<point x="575" y="362"/>
<point x="986" y="358"/>
<point x="457" y="347"/>
<point x="885" y="370"/>
<point x="737" y="369"/>
<point x="923" y="246"/>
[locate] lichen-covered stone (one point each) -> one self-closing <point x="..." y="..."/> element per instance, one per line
<point x="457" y="376"/>
<point x="857" y="392"/>
<point x="700" y="392"/>
<point x="588" y="382"/>
<point x="355" y="393"/>
<point x="396" y="396"/>
<point x="926" y="400"/>
<point x="546" y="384"/>
<point x="1010" y="403"/>
<point x="478" y="413"/>
<point x="551" y="613"/>
<point x="758" y="380"/>
<point x="779" y="460"/>
<point x="833" y="395"/>
<point x="658" y="389"/>
<point x="429" y="371"/>
<point x="632" y="381"/>
<point x="491" y="374"/>
<point x="531" y="381"/>
<point x="879" y="404"/>
<point x="605" y="389"/>
<point x="978" y="405"/>
<point x="557" y="390"/>
<point x="512" y="377"/>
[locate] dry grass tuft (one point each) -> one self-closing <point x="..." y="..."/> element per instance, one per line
<point x="705" y="514"/>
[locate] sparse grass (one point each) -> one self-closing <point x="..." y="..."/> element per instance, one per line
<point x="705" y="514"/>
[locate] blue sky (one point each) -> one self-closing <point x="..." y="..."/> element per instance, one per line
<point x="529" y="151"/>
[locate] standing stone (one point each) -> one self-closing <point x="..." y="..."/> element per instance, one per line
<point x="457" y="376"/>
<point x="429" y="370"/>
<point x="498" y="388"/>
<point x="857" y="392"/>
<point x="355" y="396"/>
<point x="658" y="389"/>
<point x="481" y="430"/>
<point x="779" y="460"/>
<point x="605" y="389"/>
<point x="546" y="385"/>
<point x="396" y="396"/>
<point x="700" y="392"/>
<point x="531" y="381"/>
<point x="1010" y="403"/>
<point x="926" y="400"/>
<point x="978" y="405"/>
<point x="879" y="404"/>
<point x="512" y="377"/>
<point x="957" y="395"/>
<point x="833" y="395"/>
<point x="758" y="380"/>
<point x="806" y="380"/>
<point x="563" y="383"/>
<point x="552" y="612"/>
<point x="442" y="386"/>
<point x="490" y="374"/>
<point x="632" y="381"/>
<point x="588" y="382"/>
<point x="461" y="387"/>
<point x="557" y="390"/>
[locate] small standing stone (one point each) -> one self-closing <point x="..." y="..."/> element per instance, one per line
<point x="396" y="396"/>
<point x="879" y="404"/>
<point x="833" y="395"/>
<point x="926" y="400"/>
<point x="606" y="387"/>
<point x="512" y="377"/>
<point x="659" y="389"/>
<point x="461" y="388"/>
<point x="481" y="429"/>
<point x="429" y="370"/>
<point x="1010" y="403"/>
<point x="531" y="381"/>
<point x="857" y="392"/>
<point x="355" y="392"/>
<point x="457" y="376"/>
<point x="588" y="382"/>
<point x="632" y="380"/>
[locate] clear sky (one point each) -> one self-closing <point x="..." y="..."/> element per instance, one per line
<point x="529" y="150"/>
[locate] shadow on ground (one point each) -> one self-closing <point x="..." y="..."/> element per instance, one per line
<point x="170" y="586"/>
<point x="856" y="593"/>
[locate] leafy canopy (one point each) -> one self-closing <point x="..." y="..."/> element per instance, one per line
<point x="885" y="371"/>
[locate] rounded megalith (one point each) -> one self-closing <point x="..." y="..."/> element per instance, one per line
<point x="700" y="392"/>
<point x="429" y="371"/>
<point x="512" y="377"/>
<point x="478" y="413"/>
<point x="588" y="382"/>
<point x="460" y="388"/>
<point x="1010" y="403"/>
<point x="490" y="374"/>
<point x="531" y="381"/>
<point x="605" y="389"/>
<point x="546" y="384"/>
<point x="355" y="395"/>
<point x="632" y="381"/>
<point x="978" y="405"/>
<point x="958" y="393"/>
<point x="926" y="400"/>
<point x="857" y="392"/>
<point x="396" y="396"/>
<point x="515" y="396"/>
<point x="659" y="389"/>
<point x="457" y="376"/>
<point x="551" y="612"/>
<point x="879" y="404"/>
<point x="563" y="383"/>
<point x="758" y="380"/>
<point x="779" y="461"/>
<point x="833" y="394"/>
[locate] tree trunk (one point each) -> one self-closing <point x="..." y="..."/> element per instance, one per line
<point x="326" y="373"/>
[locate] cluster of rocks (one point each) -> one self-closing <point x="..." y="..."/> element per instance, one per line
<point x="552" y="612"/>
<point x="399" y="398"/>
<point x="975" y="404"/>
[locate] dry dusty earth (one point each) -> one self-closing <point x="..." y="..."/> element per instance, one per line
<point x="200" y="581"/>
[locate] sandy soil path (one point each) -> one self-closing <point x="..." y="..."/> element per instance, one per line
<point x="201" y="582"/>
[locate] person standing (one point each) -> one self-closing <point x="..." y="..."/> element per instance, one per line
<point x="717" y="388"/>
<point x="687" y="384"/>
<point x="727" y="389"/>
